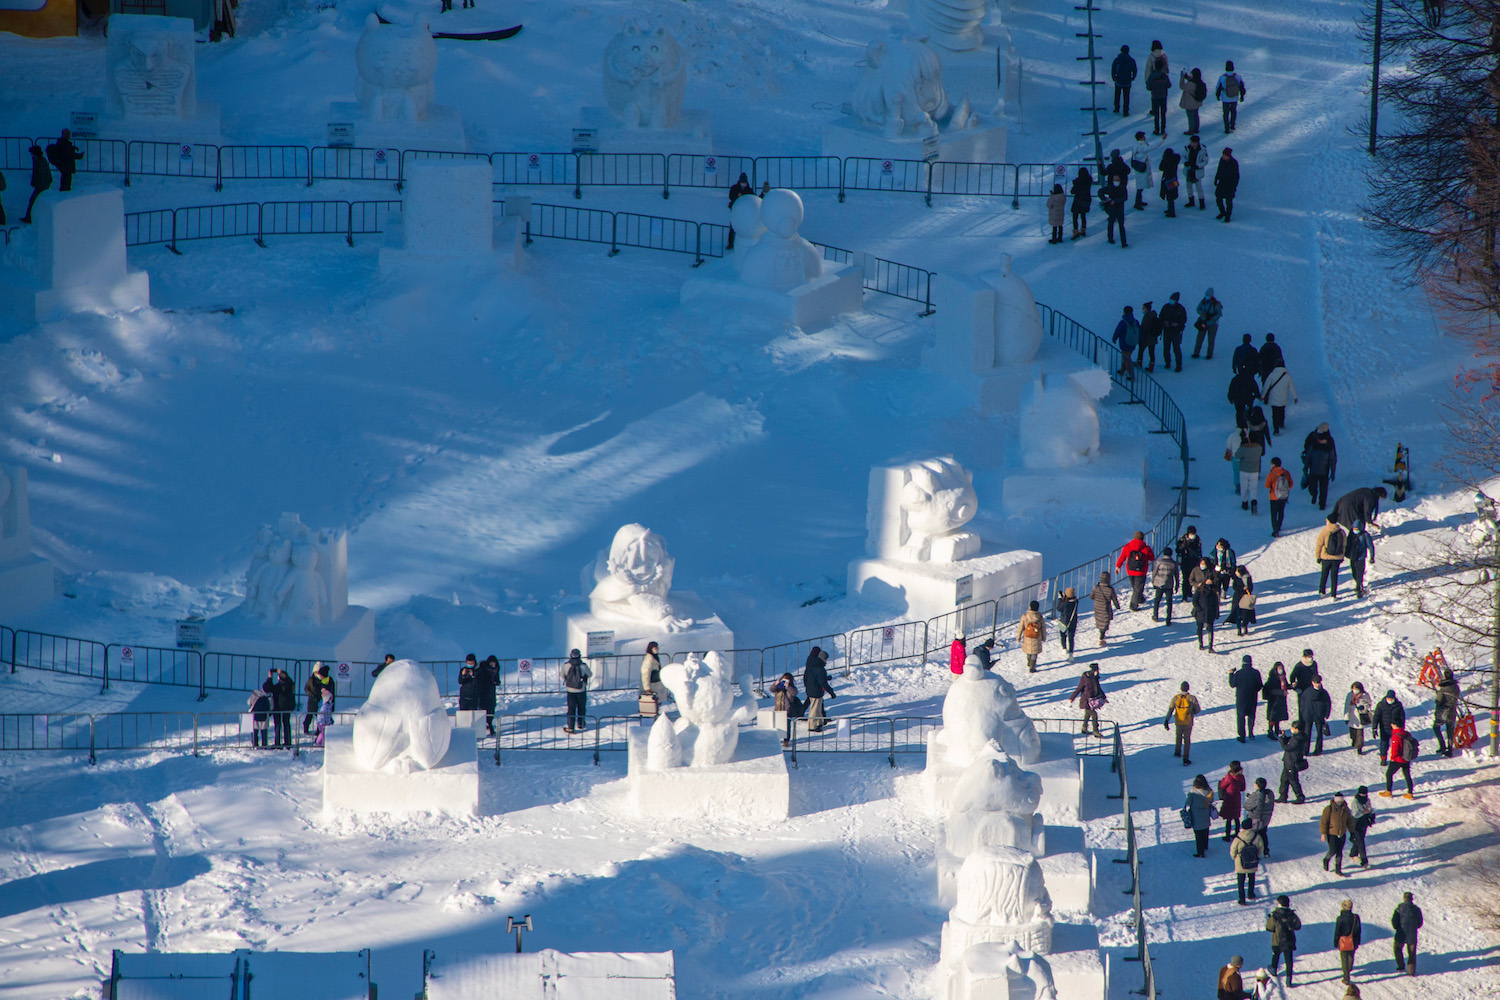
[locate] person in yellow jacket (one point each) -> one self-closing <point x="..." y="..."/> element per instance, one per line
<point x="1031" y="633"/>
<point x="1329" y="551"/>
<point x="1182" y="709"/>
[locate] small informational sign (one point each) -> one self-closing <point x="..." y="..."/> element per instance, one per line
<point x="601" y="643"/>
<point x="84" y="124"/>
<point x="191" y="633"/>
<point x="341" y="134"/>
<point x="185" y="152"/>
<point x="888" y="636"/>
<point x="963" y="590"/>
<point x="1042" y="591"/>
<point x="710" y="165"/>
<point x="343" y="679"/>
<point x="534" y="164"/>
<point x="585" y="140"/>
<point x="887" y="167"/>
<point x="382" y="157"/>
<point x="930" y="149"/>
<point x="524" y="667"/>
<point x="1059" y="173"/>
<point x="127" y="659"/>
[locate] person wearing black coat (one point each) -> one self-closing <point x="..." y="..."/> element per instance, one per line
<point x="1245" y="357"/>
<point x="1173" y="323"/>
<point x="41" y="179"/>
<point x="1243" y="392"/>
<point x="468" y="685"/>
<point x="1314" y="706"/>
<point x="1303" y="673"/>
<point x="1083" y="200"/>
<point x="1206" y="612"/>
<point x="1293" y="759"/>
<point x="1362" y="504"/>
<point x="283" y="702"/>
<point x="1226" y="182"/>
<point x="1114" y="196"/>
<point x="1405" y="922"/>
<point x="1247" y="683"/>
<point x="1189" y="550"/>
<point x="1066" y="612"/>
<point x="1389" y="714"/>
<point x="1275" y="692"/>
<point x="741" y="187"/>
<point x="815" y="683"/>
<point x="1123" y="72"/>
<point x="1168" y="191"/>
<point x="1270" y="357"/>
<point x="1347" y="924"/>
<point x="63" y="155"/>
<point x="489" y="686"/>
<point x="1320" y="464"/>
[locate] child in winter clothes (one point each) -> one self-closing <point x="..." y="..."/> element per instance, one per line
<point x="325" y="715"/>
<point x="260" y="710"/>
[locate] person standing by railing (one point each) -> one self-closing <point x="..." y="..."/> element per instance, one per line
<point x="285" y="703"/>
<point x="1067" y="620"/>
<point x="815" y="683"/>
<point x="575" y="679"/>
<point x="313" y="687"/>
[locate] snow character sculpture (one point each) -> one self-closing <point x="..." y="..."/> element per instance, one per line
<point x="902" y="89"/>
<point x="297" y="577"/>
<point x="780" y="258"/>
<point x="396" y="64"/>
<point x="303" y="593"/>
<point x="403" y="722"/>
<point x="633" y="580"/>
<point x="152" y="73"/>
<point x="263" y="581"/>
<point x="711" y="713"/>
<point x="1003" y="962"/>
<point x="916" y="510"/>
<point x="1059" y="425"/>
<point x="744" y="218"/>
<point x="981" y="706"/>
<point x="1001" y="897"/>
<point x="995" y="805"/>
<point x="645" y="78"/>
<point x="1018" y="322"/>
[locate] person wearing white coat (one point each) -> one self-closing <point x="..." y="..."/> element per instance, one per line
<point x="1140" y="167"/>
<point x="1194" y="166"/>
<point x="1277" y="388"/>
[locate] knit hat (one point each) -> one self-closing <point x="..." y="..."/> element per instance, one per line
<point x="1245" y="659"/>
<point x="1035" y="606"/>
<point x="1236" y="961"/>
<point x="1323" y="428"/>
<point x="1208" y="294"/>
<point x="1175" y="295"/>
<point x="1283" y="901"/>
<point x="1363" y="790"/>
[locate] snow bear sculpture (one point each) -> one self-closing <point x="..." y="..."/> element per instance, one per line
<point x="902" y="89"/>
<point x="1001" y="897"/>
<point x="633" y="580"/>
<point x="396" y="64"/>
<point x="780" y="258"/>
<point x="403" y="721"/>
<point x="995" y="805"/>
<point x="645" y="77"/>
<point x="1059" y="424"/>
<point x="979" y="707"/>
<point x="711" y="713"/>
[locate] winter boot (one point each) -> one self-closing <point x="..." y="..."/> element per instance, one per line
<point x="1202" y="205"/>
<point x="1254" y="504"/>
<point x="1140" y="201"/>
<point x="1190" y="203"/>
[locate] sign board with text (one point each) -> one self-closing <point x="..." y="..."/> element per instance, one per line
<point x="192" y="633"/>
<point x="963" y="590"/>
<point x="601" y="643"/>
<point x="341" y="134"/>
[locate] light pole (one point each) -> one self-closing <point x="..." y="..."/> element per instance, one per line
<point x="1093" y="84"/>
<point x="1375" y="74"/>
<point x="1489" y="530"/>
<point x="512" y="924"/>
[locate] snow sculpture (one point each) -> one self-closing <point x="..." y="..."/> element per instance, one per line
<point x="979" y="707"/>
<point x="915" y="511"/>
<point x="663" y="748"/>
<point x="711" y="713"/>
<point x="403" y="721"/>
<point x="1018" y="322"/>
<point x="26" y="580"/>
<point x="645" y="78"/>
<point x="633" y="580"/>
<point x="1001" y="897"/>
<point x="1059" y="425"/>
<point x="396" y="64"/>
<point x="745" y="220"/>
<point x="902" y="89"/>
<point x="297" y="578"/>
<point x="780" y="259"/>
<point x="995" y="805"/>
<point x="151" y="67"/>
<point x="952" y="24"/>
<point x="1001" y="964"/>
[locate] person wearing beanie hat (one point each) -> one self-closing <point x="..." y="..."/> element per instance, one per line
<point x="1359" y="548"/>
<point x="1405" y="922"/>
<point x="985" y="653"/>
<point x="1445" y="711"/>
<point x="1320" y="464"/>
<point x="1226" y="183"/>
<point x="1333" y="830"/>
<point x="1263" y="986"/>
<point x="1346" y="935"/>
<point x="1210" y="312"/>
<point x="1247" y="684"/>
<point x="1283" y="923"/>
<point x="1231" y="986"/>
<point x="1066" y="613"/>
<point x="1390" y="714"/>
<point x="1173" y="322"/>
<point x="1123" y="72"/>
<point x="1032" y="633"/>
<point x="1364" y="817"/>
<point x="575" y="678"/>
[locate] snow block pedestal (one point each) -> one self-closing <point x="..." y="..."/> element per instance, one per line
<point x="451" y="787"/>
<point x="348" y="638"/>
<point x="755" y="787"/>
<point x="848" y="137"/>
<point x="80" y="260"/>
<point x="26" y="580"/>
<point x="813" y="304"/>
<point x="708" y="632"/>
<point x="442" y="130"/>
<point x="693" y="134"/>
<point x="927" y="590"/>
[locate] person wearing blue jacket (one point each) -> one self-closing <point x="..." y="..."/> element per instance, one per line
<point x="1123" y="72"/>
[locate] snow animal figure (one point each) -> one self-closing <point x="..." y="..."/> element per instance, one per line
<point x="633" y="580"/>
<point x="1018" y="322"/>
<point x="995" y="805"/>
<point x="1059" y="424"/>
<point x="152" y="73"/>
<point x="303" y="593"/>
<point x="902" y="87"/>
<point x="645" y="77"/>
<point x="396" y="64"/>
<point x="1002" y="897"/>
<point x="780" y="258"/>
<point x="703" y="690"/>
<point x="951" y="24"/>
<point x="663" y="748"/>
<point x="260" y="556"/>
<point x="979" y="707"/>
<point x="403" y="721"/>
<point x="1005" y="961"/>
<point x="937" y="500"/>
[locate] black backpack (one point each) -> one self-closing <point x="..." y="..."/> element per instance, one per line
<point x="1136" y="561"/>
<point x="573" y="676"/>
<point x="1249" y="854"/>
<point x="1334" y="546"/>
<point x="54" y="155"/>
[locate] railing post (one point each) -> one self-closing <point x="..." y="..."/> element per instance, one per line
<point x="12" y="650"/>
<point x="104" y="686"/>
<point x="892" y="756"/>
<point x="195" y="735"/>
<point x="791" y="735"/>
<point x="93" y="758"/>
<point x="598" y="723"/>
<point x="614" y="226"/>
<point x="349" y="235"/>
<point x="173" y="245"/>
<point x="1015" y="187"/>
<point x="697" y="244"/>
<point x="218" y="168"/>
<point x="927" y="309"/>
<point x="577" y="177"/>
<point x="665" y="194"/>
<point x="841" y="197"/>
<point x="929" y="185"/>
<point x="202" y="677"/>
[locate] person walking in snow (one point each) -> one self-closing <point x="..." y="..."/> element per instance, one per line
<point x="1226" y="183"/>
<point x="958" y="652"/>
<point x="1320" y="464"/>
<point x="1194" y="93"/>
<point x="575" y="678"/>
<point x="1224" y="565"/>
<point x="1259" y="807"/>
<point x="1246" y="854"/>
<point x="1173" y="322"/>
<point x="1067" y="620"/>
<point x="1057" y="208"/>
<point x="1283" y="923"/>
<point x="1231" y="985"/>
<point x="1328" y="550"/>
<point x="1390" y="715"/>
<point x="1256" y="424"/>
<point x="65" y="156"/>
<point x="1406" y="920"/>
<point x="1136" y="556"/>
<point x="1206" y="610"/>
<point x="1359" y="548"/>
<point x="1164" y="581"/>
<point x="1182" y="710"/>
<point x="41" y="180"/>
<point x="1242" y="601"/>
<point x="1150" y="334"/>
<point x="1252" y="449"/>
<point x="1445" y="712"/>
<point x="1230" y="90"/>
<point x="1315" y="706"/>
<point x="1189" y="552"/>
<point x="1278" y="493"/>
<point x="1083" y="200"/>
<point x="1277" y="388"/>
<point x="1346" y="935"/>
<point x="815" y="683"/>
<point x="1242" y="394"/>
<point x="1247" y="683"/>
<point x="1106" y="603"/>
<point x="1359" y="713"/>
<point x="1198" y="810"/>
<point x="1275" y="693"/>
<point x="1123" y="72"/>
<point x="1333" y="830"/>
<point x="1231" y="792"/>
<point x="1364" y="818"/>
<point x="1159" y="86"/>
<point x="1170" y="159"/>
<point x="1090" y="696"/>
<point x="1362" y="504"/>
<point x="1127" y="336"/>
<point x="1245" y="358"/>
<point x="1032" y="633"/>
<point x="1401" y="751"/>
<point x="1293" y="763"/>
<point x="1113" y="197"/>
<point x="1195" y="168"/>
<point x="1210" y="311"/>
<point x="1271" y="357"/>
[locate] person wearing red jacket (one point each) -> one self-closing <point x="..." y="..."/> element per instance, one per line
<point x="957" y="653"/>
<point x="1137" y="558"/>
<point x="1398" y="762"/>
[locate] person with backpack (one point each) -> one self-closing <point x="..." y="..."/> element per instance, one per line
<point x="1230" y="90"/>
<point x="1329" y="552"/>
<point x="1150" y="334"/>
<point x="1364" y="818"/>
<point x="1136" y="556"/>
<point x="1402" y="750"/>
<point x="1123" y="72"/>
<point x="65" y="156"/>
<point x="1083" y="200"/>
<point x="1226" y="183"/>
<point x="1246" y="854"/>
<point x="1206" y="609"/>
<point x="1127" y="337"/>
<point x="575" y="677"/>
<point x="1445" y="712"/>
<point x="1346" y="935"/>
<point x="1210" y="312"/>
<point x="1293" y="763"/>
<point x="1106" y="603"/>
<point x="1333" y="830"/>
<point x="1182" y="710"/>
<point x="1390" y="715"/>
<point x="815" y="683"/>
<point x="1090" y="696"/>
<point x="1113" y="198"/>
<point x="1259" y="807"/>
<point x="1189" y="553"/>
<point x="41" y="180"/>
<point x="1275" y="692"/>
<point x="1359" y="548"/>
<point x="1278" y="492"/>
<point x="1066" y="612"/>
<point x="1173" y="322"/>
<point x="1164" y="576"/>
<point x="1406" y="920"/>
<point x="1320" y="464"/>
<point x="1031" y="633"/>
<point x="1247" y="682"/>
<point x="1194" y="92"/>
<point x="1057" y="205"/>
<point x="1283" y="923"/>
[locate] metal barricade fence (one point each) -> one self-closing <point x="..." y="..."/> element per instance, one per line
<point x="972" y="622"/>
<point x="145" y="228"/>
<point x="353" y="163"/>
<point x="46" y="731"/>
<point x="15" y="152"/>
<point x="536" y="170"/>
<point x="264" y="163"/>
<point x="153" y="665"/>
<point x="972" y="180"/>
<point x="886" y="734"/>
<point x="242" y="672"/>
<point x="304" y="218"/>
<point x="171" y="159"/>
<point x="100" y="156"/>
<point x="1035" y="180"/>
<point x="144" y="730"/>
<point x="713" y="240"/>
<point x="621" y="170"/>
<point x="862" y="173"/>
<point x="564" y="222"/>
<point x="208" y="222"/>
<point x="885" y="644"/>
<point x="652" y="232"/>
<point x="410" y="156"/>
<point x="691" y="170"/>
<point x="370" y="217"/>
<point x="808" y="173"/>
<point x="60" y="654"/>
<point x="791" y="657"/>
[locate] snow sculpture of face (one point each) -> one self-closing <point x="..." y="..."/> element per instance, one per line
<point x="645" y="77"/>
<point x="633" y="580"/>
<point x="979" y="707"/>
<point x="403" y="722"/>
<point x="781" y="259"/>
<point x="939" y="497"/>
<point x="396" y="65"/>
<point x="152" y="72"/>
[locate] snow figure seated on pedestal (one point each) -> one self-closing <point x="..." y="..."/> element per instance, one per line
<point x="1059" y="424"/>
<point x="292" y="574"/>
<point x="1001" y="897"/>
<point x="780" y="259"/>
<point x="902" y="90"/>
<point x="995" y="805"/>
<point x="396" y="64"/>
<point x="711" y="714"/>
<point x="645" y="78"/>
<point x="979" y="707"/>
<point x="403" y="721"/>
<point x="1003" y="962"/>
<point x="937" y="499"/>
<point x="633" y="580"/>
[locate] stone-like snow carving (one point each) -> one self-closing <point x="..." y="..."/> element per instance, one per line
<point x="633" y="580"/>
<point x="1001" y="897"/>
<point x="403" y="720"/>
<point x="1001" y="964"/>
<point x="916" y="511"/>
<point x="645" y="77"/>
<point x="952" y="24"/>
<point x="151" y="67"/>
<point x="711" y="712"/>
<point x="396" y="65"/>
<point x="663" y="748"/>
<point x="902" y="89"/>
<point x="979" y="707"/>
<point x="995" y="805"/>
<point x="297" y="577"/>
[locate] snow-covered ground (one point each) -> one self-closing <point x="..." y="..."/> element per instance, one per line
<point x="483" y="436"/>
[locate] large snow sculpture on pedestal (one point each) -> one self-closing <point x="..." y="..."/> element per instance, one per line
<point x="981" y="706"/>
<point x="1001" y="897"/>
<point x="403" y="721"/>
<point x="952" y="24"/>
<point x="396" y="65"/>
<point x="780" y="258"/>
<point x="1059" y="424"/>
<point x="902" y="89"/>
<point x="995" y="805"/>
<point x="645" y="77"/>
<point x="151" y="67"/>
<point x="633" y="580"/>
<point x="711" y="712"/>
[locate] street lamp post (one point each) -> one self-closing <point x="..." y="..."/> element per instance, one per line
<point x="1489" y="529"/>
<point x="512" y="924"/>
<point x="1375" y="74"/>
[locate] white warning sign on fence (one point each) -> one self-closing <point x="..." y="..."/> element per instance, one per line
<point x="381" y="156"/>
<point x="185" y="151"/>
<point x="888" y="636"/>
<point x="127" y="658"/>
<point x="887" y="167"/>
<point x="1041" y="593"/>
<point x="533" y="163"/>
<point x="524" y="666"/>
<point x="710" y="164"/>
